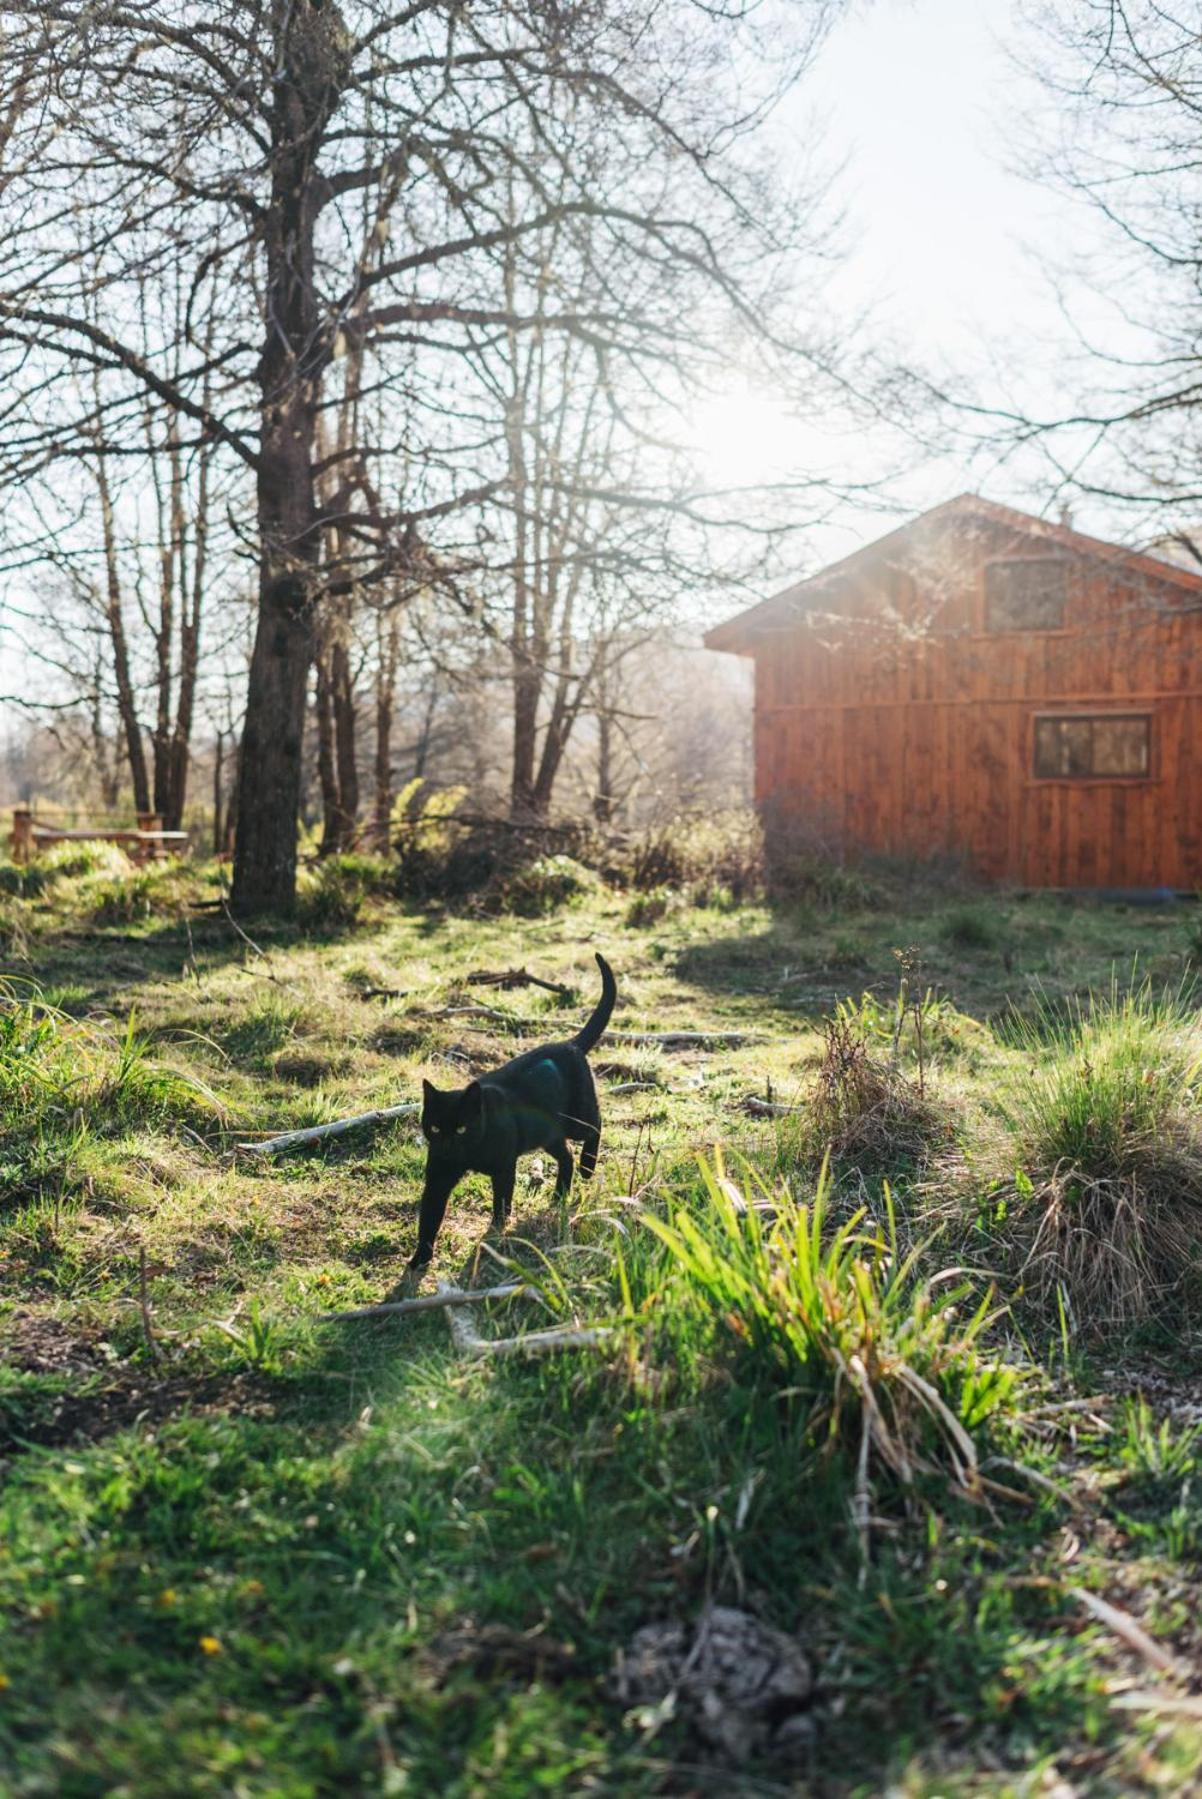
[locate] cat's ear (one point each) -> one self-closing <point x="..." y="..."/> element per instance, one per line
<point x="428" y="1088"/>
<point x="472" y="1103"/>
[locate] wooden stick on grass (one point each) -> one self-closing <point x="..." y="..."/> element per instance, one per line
<point x="469" y="1342"/>
<point x="431" y="1302"/>
<point x="314" y="1133"/>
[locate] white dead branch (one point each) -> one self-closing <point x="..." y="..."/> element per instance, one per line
<point x="469" y="1342"/>
<point x="433" y="1302"/>
<point x="286" y="1140"/>
<point x="1126" y="1629"/>
<point x="1170" y="1705"/>
<point x="685" y="1039"/>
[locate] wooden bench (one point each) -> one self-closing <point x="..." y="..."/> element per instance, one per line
<point x="145" y="842"/>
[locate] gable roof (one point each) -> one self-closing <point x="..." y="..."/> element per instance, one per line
<point x="739" y="634"/>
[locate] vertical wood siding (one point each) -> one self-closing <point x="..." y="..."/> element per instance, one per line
<point x="889" y="720"/>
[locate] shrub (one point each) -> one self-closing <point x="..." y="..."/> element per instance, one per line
<point x="331" y="896"/>
<point x="71" y="861"/>
<point x="972" y="928"/>
<point x="723" y="850"/>
<point x="864" y="1112"/>
<point x="25" y="881"/>
<point x="648" y="908"/>
<point x="543" y="886"/>
<point x="125" y="898"/>
<point x="1106" y="1201"/>
<point x="426" y="837"/>
<point x="886" y="1366"/>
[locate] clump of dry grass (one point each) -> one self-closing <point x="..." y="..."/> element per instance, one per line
<point x="865" y="1112"/>
<point x="1104" y="1209"/>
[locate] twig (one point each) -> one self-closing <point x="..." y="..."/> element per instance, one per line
<point x="1125" y="1627"/>
<point x="431" y="1302"/>
<point x="285" y="1140"/>
<point x="516" y="977"/>
<point x="517" y="1025"/>
<point x="1180" y="1705"/>
<point x="686" y="1039"/>
<point x="144" y="1303"/>
<point x="469" y="1342"/>
<point x="768" y="1108"/>
<point x="385" y="992"/>
<point x="635" y="1087"/>
<point x="249" y="941"/>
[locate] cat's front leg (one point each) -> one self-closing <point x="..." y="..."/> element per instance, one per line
<point x="502" y="1195"/>
<point x="440" y="1183"/>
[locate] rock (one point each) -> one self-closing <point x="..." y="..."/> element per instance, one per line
<point x="743" y="1685"/>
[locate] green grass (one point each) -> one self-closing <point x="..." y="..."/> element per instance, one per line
<point x="254" y="1553"/>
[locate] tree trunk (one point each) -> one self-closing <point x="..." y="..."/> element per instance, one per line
<point x="218" y="795"/>
<point x="389" y="644"/>
<point x="327" y="768"/>
<point x="306" y="54"/>
<point x="603" y="801"/>
<point x="342" y="700"/>
<point x="126" y="703"/>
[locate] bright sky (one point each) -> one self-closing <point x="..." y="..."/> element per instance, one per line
<point x="921" y="99"/>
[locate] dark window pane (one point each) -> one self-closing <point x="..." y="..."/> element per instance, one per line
<point x="1120" y="746"/>
<point x="1075" y="747"/>
<point x="1027" y="594"/>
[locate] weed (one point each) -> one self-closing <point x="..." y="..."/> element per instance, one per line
<point x="887" y="1369"/>
<point x="864" y="1112"/>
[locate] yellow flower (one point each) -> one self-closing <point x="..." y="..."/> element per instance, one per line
<point x="168" y="1596"/>
<point x="211" y="1645"/>
<point x="5" y="1683"/>
<point x="253" y="1589"/>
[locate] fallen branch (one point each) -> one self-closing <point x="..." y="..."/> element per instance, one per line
<point x="493" y="1013"/>
<point x="768" y="1108"/>
<point x="384" y="992"/>
<point x="1126" y="1629"/>
<point x="516" y="977"/>
<point x="314" y="1133"/>
<point x="469" y="1342"/>
<point x="635" y="1087"/>
<point x="1172" y="1705"/>
<point x="685" y="1039"/>
<point x="432" y="1302"/>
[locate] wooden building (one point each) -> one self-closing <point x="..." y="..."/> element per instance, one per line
<point x="984" y="685"/>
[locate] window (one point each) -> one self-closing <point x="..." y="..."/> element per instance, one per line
<point x="1026" y="594"/>
<point x="1106" y="747"/>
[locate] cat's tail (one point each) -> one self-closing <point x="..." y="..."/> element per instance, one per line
<point x="585" y="1038"/>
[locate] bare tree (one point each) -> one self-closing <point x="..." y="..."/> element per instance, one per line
<point x="329" y="177"/>
<point x="1118" y="135"/>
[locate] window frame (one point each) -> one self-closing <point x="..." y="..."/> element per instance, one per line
<point x="1093" y="715"/>
<point x="991" y="630"/>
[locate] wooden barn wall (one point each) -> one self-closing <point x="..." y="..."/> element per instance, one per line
<point x="900" y="726"/>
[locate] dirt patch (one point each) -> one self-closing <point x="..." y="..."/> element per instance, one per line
<point x="106" y="1394"/>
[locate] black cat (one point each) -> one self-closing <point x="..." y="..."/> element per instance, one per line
<point x="537" y="1101"/>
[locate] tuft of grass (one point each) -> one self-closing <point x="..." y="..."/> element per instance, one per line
<point x="1104" y="1120"/>
<point x="885" y="1363"/>
<point x="972" y="927"/>
<point x="865" y="1113"/>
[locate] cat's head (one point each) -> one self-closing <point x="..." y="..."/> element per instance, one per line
<point x="451" y="1118"/>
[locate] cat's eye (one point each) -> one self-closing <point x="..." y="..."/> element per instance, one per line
<point x="461" y="1130"/>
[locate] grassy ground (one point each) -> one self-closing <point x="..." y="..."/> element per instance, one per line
<point x="243" y="1551"/>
